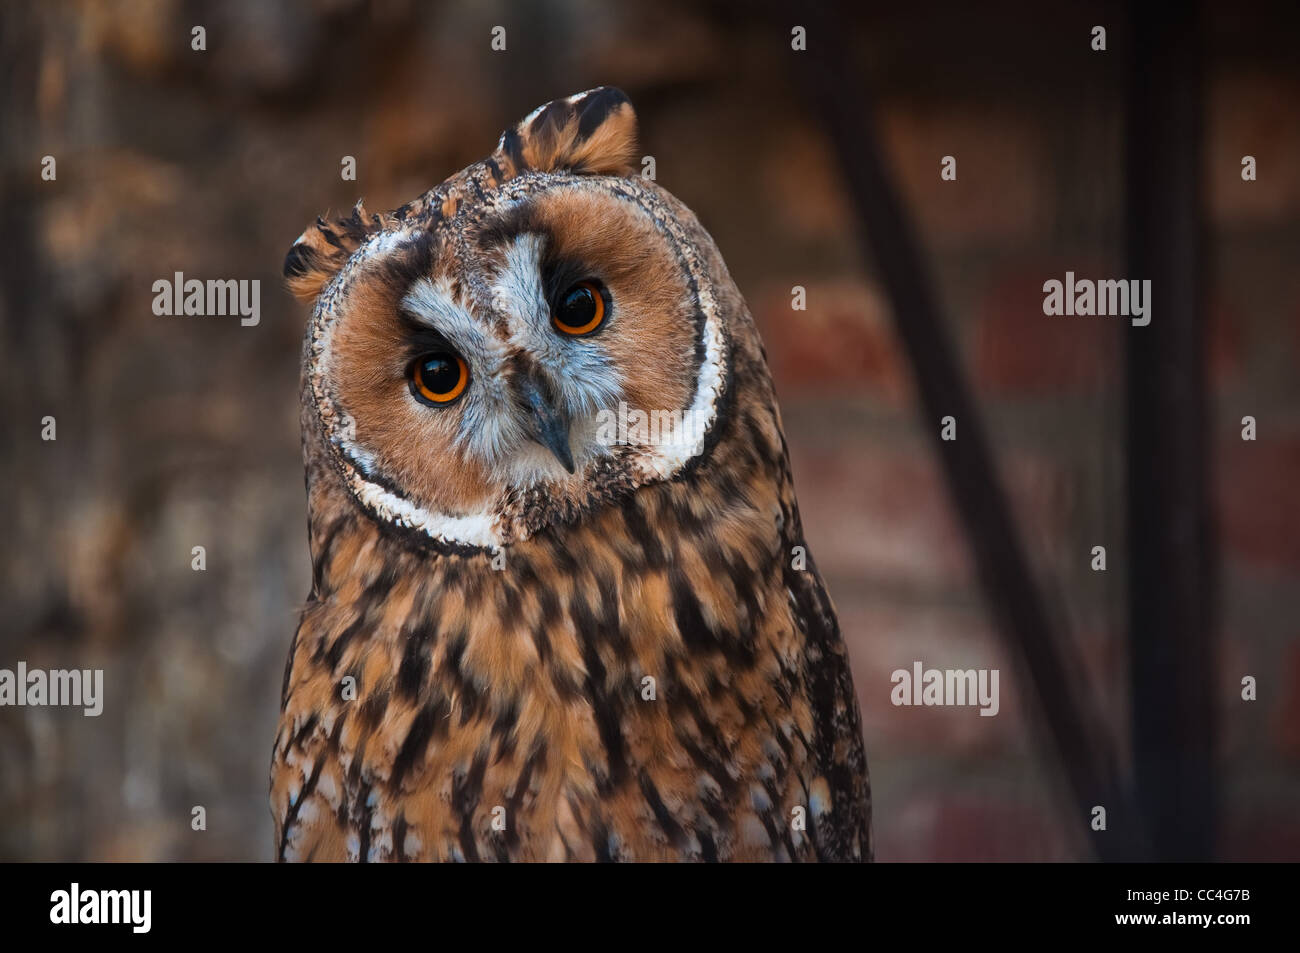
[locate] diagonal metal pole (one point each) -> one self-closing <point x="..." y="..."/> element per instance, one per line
<point x="1069" y="709"/>
<point x="1171" y="546"/>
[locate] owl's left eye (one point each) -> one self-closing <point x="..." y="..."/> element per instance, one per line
<point x="438" y="379"/>
<point x="580" y="310"/>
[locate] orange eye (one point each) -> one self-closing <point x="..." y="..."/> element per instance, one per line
<point x="438" y="379"/>
<point x="581" y="309"/>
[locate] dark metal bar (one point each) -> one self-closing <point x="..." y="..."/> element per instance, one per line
<point x="1171" y="572"/>
<point x="1072" y="717"/>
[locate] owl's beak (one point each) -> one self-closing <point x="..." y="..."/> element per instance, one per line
<point x="550" y="425"/>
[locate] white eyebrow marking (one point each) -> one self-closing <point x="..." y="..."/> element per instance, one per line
<point x="434" y="305"/>
<point x="517" y="292"/>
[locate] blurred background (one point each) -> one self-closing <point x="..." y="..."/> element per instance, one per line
<point x="179" y="432"/>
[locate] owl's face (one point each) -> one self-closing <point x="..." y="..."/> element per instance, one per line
<point x="477" y="360"/>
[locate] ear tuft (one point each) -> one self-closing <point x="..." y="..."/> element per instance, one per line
<point x="592" y="132"/>
<point x="318" y="254"/>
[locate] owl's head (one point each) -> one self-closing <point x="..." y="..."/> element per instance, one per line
<point x="537" y="336"/>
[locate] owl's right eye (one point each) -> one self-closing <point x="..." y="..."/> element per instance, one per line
<point x="438" y="379"/>
<point x="580" y="310"/>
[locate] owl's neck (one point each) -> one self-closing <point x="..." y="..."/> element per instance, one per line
<point x="616" y="590"/>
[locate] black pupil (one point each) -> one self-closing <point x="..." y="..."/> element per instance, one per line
<point x="578" y="308"/>
<point x="440" y="373"/>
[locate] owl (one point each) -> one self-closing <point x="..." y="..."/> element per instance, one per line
<point x="561" y="605"/>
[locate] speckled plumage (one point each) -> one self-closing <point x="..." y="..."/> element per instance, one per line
<point x="499" y="618"/>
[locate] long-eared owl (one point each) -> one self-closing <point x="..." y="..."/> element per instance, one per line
<point x="561" y="605"/>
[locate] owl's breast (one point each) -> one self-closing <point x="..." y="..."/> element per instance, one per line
<point x="603" y="691"/>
